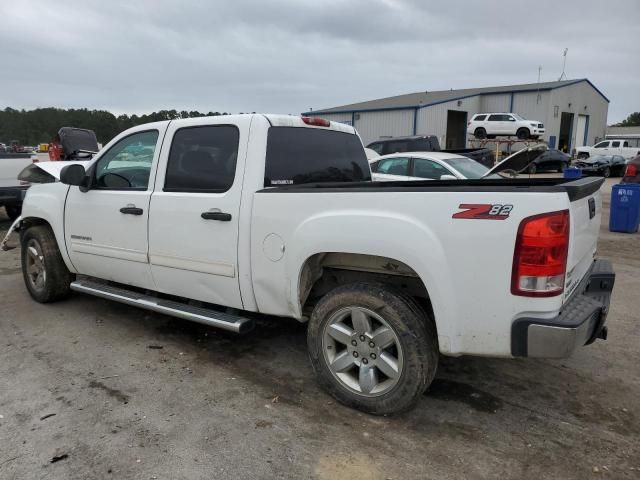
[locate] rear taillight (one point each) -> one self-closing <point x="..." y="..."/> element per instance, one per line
<point x="540" y="256"/>
<point x="34" y="160"/>
<point x="316" y="122"/>
<point x="631" y="170"/>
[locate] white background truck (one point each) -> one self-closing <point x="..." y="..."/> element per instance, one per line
<point x="225" y="218"/>
<point x="609" y="147"/>
<point x="12" y="190"/>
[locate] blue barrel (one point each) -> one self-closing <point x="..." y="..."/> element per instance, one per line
<point x="572" y="172"/>
<point x="625" y="208"/>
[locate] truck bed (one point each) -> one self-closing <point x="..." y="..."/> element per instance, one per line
<point x="575" y="189"/>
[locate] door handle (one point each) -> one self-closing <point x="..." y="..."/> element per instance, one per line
<point x="220" y="216"/>
<point x="131" y="210"/>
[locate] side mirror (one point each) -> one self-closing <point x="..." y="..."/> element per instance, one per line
<point x="448" y="177"/>
<point x="73" y="175"/>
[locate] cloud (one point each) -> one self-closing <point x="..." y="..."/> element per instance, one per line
<point x="289" y="55"/>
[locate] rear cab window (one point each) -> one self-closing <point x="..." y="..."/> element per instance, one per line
<point x="298" y="155"/>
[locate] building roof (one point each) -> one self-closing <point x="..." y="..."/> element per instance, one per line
<point x="426" y="99"/>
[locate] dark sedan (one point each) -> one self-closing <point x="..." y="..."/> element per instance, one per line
<point x="551" y="159"/>
<point x="603" y="165"/>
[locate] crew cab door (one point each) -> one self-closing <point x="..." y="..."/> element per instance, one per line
<point x="106" y="226"/>
<point x="194" y="213"/>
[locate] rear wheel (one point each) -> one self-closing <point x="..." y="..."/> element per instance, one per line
<point x="480" y="133"/>
<point x="372" y="348"/>
<point x="45" y="274"/>
<point x="523" y="133"/>
<point x="13" y="211"/>
<point x="562" y="167"/>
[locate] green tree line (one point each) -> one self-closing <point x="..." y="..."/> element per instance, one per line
<point x="633" y="120"/>
<point x="40" y="125"/>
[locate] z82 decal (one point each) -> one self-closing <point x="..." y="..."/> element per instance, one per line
<point x="484" y="211"/>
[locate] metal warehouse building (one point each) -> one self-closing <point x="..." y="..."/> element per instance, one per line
<point x="574" y="112"/>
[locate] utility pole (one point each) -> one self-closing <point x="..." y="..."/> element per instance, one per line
<point x="538" y="97"/>
<point x="564" y="64"/>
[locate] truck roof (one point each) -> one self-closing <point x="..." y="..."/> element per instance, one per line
<point x="276" y="120"/>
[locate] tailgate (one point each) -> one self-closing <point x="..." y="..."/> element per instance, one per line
<point x="586" y="214"/>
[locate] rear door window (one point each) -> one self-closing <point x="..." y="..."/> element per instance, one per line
<point x="202" y="159"/>
<point x="394" y="166"/>
<point x="495" y="118"/>
<point x="615" y="144"/>
<point x="421" y="145"/>
<point x="298" y="155"/>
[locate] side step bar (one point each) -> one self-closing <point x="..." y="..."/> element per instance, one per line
<point x="205" y="316"/>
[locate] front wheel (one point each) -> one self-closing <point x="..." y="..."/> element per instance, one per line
<point x="606" y="173"/>
<point x="523" y="134"/>
<point x="532" y="169"/>
<point x="372" y="348"/>
<point x="45" y="274"/>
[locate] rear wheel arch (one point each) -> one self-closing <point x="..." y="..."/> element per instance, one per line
<point x="323" y="272"/>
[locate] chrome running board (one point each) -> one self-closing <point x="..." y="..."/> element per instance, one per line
<point x="205" y="316"/>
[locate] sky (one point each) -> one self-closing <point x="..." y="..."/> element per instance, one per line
<point x="287" y="56"/>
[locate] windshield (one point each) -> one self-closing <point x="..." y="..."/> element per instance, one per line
<point x="467" y="167"/>
<point x="518" y="117"/>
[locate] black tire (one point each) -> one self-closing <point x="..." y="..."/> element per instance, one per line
<point x="532" y="169"/>
<point x="480" y="133"/>
<point x="55" y="283"/>
<point x="606" y="173"/>
<point x="414" y="330"/>
<point x="523" y="133"/>
<point x="13" y="211"/>
<point x="562" y="166"/>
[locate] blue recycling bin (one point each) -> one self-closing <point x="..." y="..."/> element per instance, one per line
<point x="624" y="215"/>
<point x="572" y="172"/>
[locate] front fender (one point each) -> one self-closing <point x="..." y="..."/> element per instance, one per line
<point x="380" y="233"/>
<point x="45" y="202"/>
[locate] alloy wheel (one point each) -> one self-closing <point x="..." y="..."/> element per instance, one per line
<point x="36" y="270"/>
<point x="362" y="351"/>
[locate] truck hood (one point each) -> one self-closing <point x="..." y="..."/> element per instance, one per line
<point x="518" y="161"/>
<point x="45" y="172"/>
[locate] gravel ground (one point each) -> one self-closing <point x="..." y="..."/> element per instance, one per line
<point x="96" y="390"/>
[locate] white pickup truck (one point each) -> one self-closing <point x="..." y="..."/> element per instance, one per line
<point x="220" y="219"/>
<point x="12" y="191"/>
<point x="609" y="147"/>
